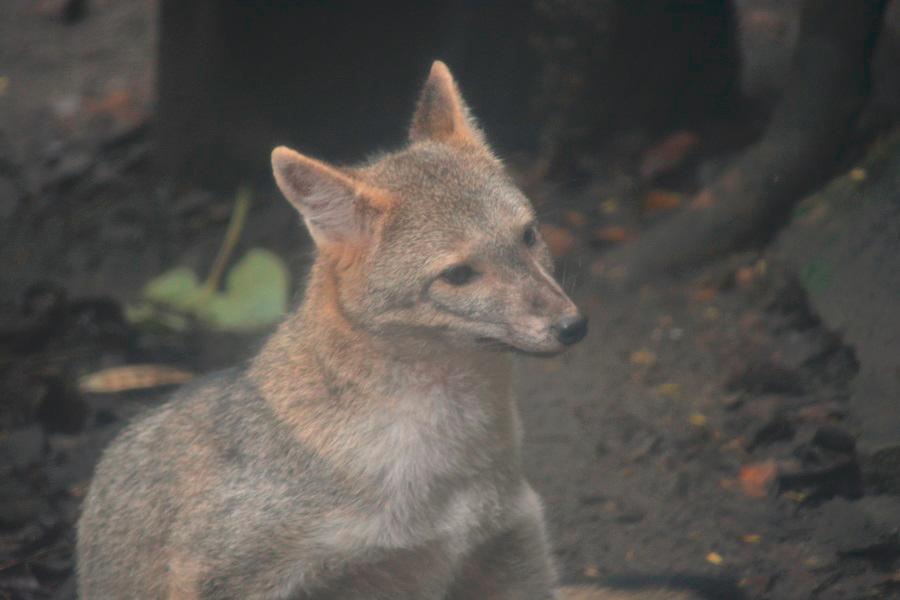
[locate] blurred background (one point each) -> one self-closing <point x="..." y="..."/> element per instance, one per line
<point x="719" y="181"/>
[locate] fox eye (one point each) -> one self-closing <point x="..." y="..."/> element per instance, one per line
<point x="529" y="237"/>
<point x="458" y="275"/>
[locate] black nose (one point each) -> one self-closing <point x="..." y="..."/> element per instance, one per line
<point x="571" y="330"/>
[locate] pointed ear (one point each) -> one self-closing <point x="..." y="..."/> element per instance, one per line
<point x="335" y="207"/>
<point x="441" y="114"/>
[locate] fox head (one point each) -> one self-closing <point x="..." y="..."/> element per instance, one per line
<point x="433" y="241"/>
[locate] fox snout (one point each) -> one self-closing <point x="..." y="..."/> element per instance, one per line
<point x="540" y="318"/>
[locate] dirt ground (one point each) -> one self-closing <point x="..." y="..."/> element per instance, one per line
<point x="700" y="438"/>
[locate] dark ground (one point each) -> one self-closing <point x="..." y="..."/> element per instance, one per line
<point x="702" y="435"/>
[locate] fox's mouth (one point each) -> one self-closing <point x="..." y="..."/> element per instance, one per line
<point x="498" y="345"/>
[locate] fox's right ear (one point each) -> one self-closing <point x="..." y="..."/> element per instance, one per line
<point x="336" y="207"/>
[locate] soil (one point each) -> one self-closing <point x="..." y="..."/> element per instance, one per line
<point x="700" y="438"/>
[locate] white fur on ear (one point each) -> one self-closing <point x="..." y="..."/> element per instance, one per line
<point x="334" y="206"/>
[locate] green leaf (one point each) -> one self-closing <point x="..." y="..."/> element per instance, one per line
<point x="177" y="288"/>
<point x="256" y="294"/>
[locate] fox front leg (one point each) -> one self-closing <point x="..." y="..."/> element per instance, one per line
<point x="514" y="565"/>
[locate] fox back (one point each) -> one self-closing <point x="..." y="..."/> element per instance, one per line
<point x="371" y="448"/>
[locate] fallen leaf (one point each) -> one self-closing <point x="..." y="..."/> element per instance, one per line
<point x="668" y="155"/>
<point x="706" y="294"/>
<point x="558" y="239"/>
<point x="642" y="357"/>
<point x="4" y="84"/>
<point x="745" y="276"/>
<point x="794" y="495"/>
<point x="131" y="377"/>
<point x="610" y="206"/>
<point x="591" y="571"/>
<point x="714" y="558"/>
<point x="751" y="538"/>
<point x="661" y="200"/>
<point x="575" y="218"/>
<point x="613" y="234"/>
<point x="698" y="420"/>
<point x="756" y="478"/>
<point x="704" y="199"/>
<point x="669" y="389"/>
<point x="858" y="174"/>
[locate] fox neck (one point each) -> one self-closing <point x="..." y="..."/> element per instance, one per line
<point x="321" y="349"/>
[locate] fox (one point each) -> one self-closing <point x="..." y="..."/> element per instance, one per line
<point x="371" y="448"/>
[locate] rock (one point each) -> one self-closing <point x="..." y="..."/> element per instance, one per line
<point x="834" y="438"/>
<point x="766" y="378"/>
<point x="881" y="470"/>
<point x="777" y="429"/>
<point x="843" y="524"/>
<point x="844" y="245"/>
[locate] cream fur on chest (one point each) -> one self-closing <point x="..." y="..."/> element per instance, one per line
<point x="429" y="457"/>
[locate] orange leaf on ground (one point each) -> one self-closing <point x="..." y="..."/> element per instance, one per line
<point x="704" y="199"/>
<point x="642" y="357"/>
<point x="611" y="234"/>
<point x="575" y="218"/>
<point x="756" y="478"/>
<point x="660" y="200"/>
<point x="559" y="239"/>
<point x="668" y="154"/>
<point x="706" y="294"/>
<point x="744" y="276"/>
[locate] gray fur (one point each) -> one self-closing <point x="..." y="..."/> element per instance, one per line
<point x="371" y="449"/>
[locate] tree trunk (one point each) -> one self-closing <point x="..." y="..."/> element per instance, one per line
<point x="749" y="201"/>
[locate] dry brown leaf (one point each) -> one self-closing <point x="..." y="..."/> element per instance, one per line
<point x="703" y="199"/>
<point x="661" y="200"/>
<point x="612" y="234"/>
<point x="745" y="276"/>
<point x="609" y="206"/>
<point x="642" y="357"/>
<point x="668" y="154"/>
<point x="131" y="377"/>
<point x="575" y="218"/>
<point x="706" y="294"/>
<point x="756" y="478"/>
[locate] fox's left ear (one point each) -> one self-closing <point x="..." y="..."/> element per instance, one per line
<point x="337" y="208"/>
<point x="442" y="115"/>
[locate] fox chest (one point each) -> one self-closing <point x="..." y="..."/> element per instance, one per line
<point x="435" y="468"/>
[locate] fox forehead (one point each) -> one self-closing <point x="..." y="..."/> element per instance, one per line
<point x="450" y="193"/>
